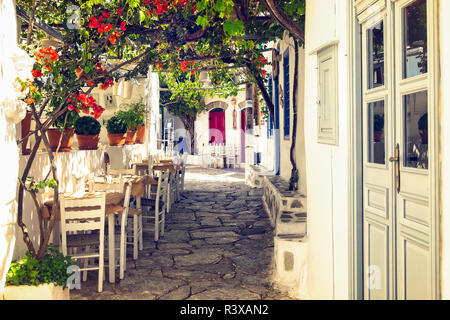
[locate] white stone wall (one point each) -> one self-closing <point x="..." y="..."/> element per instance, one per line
<point x="326" y="166"/>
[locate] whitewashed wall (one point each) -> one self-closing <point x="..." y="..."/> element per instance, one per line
<point x="445" y="144"/>
<point x="326" y="166"/>
<point x="14" y="62"/>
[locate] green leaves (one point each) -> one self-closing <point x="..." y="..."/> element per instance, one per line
<point x="41" y="185"/>
<point x="29" y="271"/>
<point x="233" y="27"/>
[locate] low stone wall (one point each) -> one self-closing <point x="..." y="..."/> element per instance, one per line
<point x="254" y="175"/>
<point x="287" y="213"/>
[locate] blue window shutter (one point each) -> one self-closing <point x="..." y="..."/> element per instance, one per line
<point x="270" y="119"/>
<point x="286" y="94"/>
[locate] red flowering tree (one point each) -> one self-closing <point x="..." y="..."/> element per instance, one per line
<point x="94" y="40"/>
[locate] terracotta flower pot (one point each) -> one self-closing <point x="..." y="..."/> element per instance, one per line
<point x="66" y="141"/>
<point x="116" y="139"/>
<point x="140" y="134"/>
<point x="25" y="127"/>
<point x="87" y="141"/>
<point x="131" y="137"/>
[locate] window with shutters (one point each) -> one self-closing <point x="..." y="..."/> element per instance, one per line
<point x="327" y="101"/>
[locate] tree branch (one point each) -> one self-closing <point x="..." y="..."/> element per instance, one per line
<point x="284" y="20"/>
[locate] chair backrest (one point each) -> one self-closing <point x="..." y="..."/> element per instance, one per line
<point x="81" y="213"/>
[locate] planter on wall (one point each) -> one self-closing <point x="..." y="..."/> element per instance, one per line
<point x="41" y="292"/>
<point x="87" y="141"/>
<point x="131" y="137"/>
<point x="25" y="128"/>
<point x="140" y="134"/>
<point x="116" y="139"/>
<point x="66" y="142"/>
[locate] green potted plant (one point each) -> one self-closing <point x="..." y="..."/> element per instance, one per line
<point x="63" y="126"/>
<point x="378" y="126"/>
<point x="116" y="129"/>
<point x="132" y="120"/>
<point x="87" y="130"/>
<point x="45" y="279"/>
<point x="139" y="108"/>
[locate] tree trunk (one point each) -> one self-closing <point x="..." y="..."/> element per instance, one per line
<point x="284" y="20"/>
<point x="294" y="173"/>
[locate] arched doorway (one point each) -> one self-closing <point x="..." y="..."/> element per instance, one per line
<point x="217" y="126"/>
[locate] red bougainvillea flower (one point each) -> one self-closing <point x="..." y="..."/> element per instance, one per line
<point x="70" y="107"/>
<point x="112" y="39"/>
<point x="119" y="11"/>
<point x="36" y="73"/>
<point x="123" y="26"/>
<point x="160" y="66"/>
<point x="184" y="65"/>
<point x="106" y="14"/>
<point x="193" y="9"/>
<point x="263" y="60"/>
<point x="97" y="111"/>
<point x="192" y="72"/>
<point x="48" y="68"/>
<point x="94" y="23"/>
<point x="263" y="72"/>
<point x="107" y="84"/>
<point x="78" y="72"/>
<point x="101" y="19"/>
<point x="29" y="101"/>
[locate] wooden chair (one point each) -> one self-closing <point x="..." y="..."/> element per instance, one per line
<point x="83" y="226"/>
<point x="156" y="200"/>
<point x="122" y="210"/>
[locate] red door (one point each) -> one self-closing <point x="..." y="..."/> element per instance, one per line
<point x="217" y="126"/>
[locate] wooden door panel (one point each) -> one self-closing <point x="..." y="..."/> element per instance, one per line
<point x="377" y="255"/>
<point x="414" y="267"/>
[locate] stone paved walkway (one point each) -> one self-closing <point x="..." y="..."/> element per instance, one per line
<point x="218" y="245"/>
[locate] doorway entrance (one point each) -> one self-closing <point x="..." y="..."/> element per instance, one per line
<point x="217" y="126"/>
<point x="399" y="227"/>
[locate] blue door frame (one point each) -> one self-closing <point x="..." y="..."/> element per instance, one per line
<point x="277" y="124"/>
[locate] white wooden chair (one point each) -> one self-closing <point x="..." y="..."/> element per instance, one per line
<point x="83" y="225"/>
<point x="156" y="201"/>
<point x="212" y="155"/>
<point x="117" y="186"/>
<point x="231" y="156"/>
<point x="133" y="229"/>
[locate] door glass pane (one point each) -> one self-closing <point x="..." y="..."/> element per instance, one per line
<point x="377" y="133"/>
<point x="415" y="39"/>
<point x="375" y="37"/>
<point x="416" y="130"/>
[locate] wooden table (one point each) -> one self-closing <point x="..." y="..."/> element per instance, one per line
<point x="113" y="206"/>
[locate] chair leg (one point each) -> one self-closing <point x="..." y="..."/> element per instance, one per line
<point x="141" y="239"/>
<point x="135" y="237"/>
<point x="123" y="248"/>
<point x="156" y="220"/>
<point x="86" y="264"/>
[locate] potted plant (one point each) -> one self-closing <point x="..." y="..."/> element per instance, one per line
<point x="378" y="126"/>
<point x="116" y="129"/>
<point x="45" y="279"/>
<point x="132" y="120"/>
<point x="139" y="109"/>
<point x="87" y="130"/>
<point x="61" y="135"/>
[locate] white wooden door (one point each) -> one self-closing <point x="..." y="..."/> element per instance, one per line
<point x="399" y="230"/>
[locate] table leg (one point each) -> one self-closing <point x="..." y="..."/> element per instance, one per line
<point x="112" y="249"/>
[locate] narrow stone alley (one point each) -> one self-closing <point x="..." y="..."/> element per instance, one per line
<point x="218" y="245"/>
